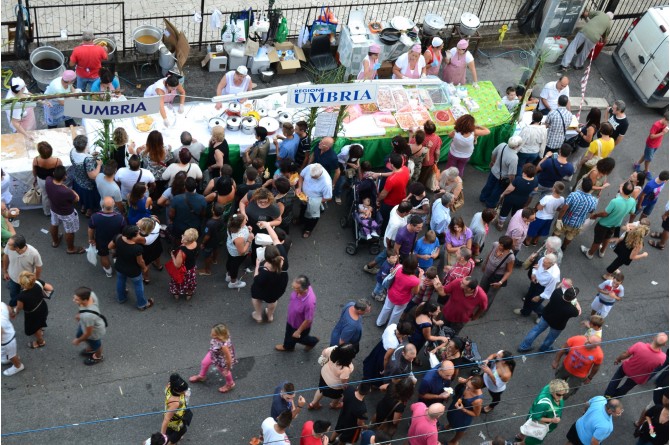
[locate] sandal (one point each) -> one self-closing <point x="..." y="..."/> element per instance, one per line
<point x="149" y="305"/>
<point x="188" y="297"/>
<point x="196" y="378"/>
<point x="176" y="297"/>
<point x="57" y="243"/>
<point x="35" y="345"/>
<point x="258" y="320"/>
<point x="656" y="244"/>
<point x="92" y="360"/>
<point x="227" y="388"/>
<point x="306" y="234"/>
<point x="76" y="251"/>
<point x="146" y="281"/>
<point x="313" y="406"/>
<point x="487" y="409"/>
<point x="656" y="234"/>
<point x="336" y="405"/>
<point x="204" y="274"/>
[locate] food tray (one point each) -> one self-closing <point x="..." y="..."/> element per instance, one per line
<point x="458" y="111"/>
<point x="385" y="100"/>
<point x="421" y="116"/>
<point x="369" y="108"/>
<point x="406" y="121"/>
<point x="384" y="120"/>
<point x="443" y="118"/>
<point x="422" y="96"/>
<point x="144" y="124"/>
<point x="437" y="95"/>
<point x="400" y="97"/>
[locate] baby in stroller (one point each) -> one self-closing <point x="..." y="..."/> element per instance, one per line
<point x="368" y="225"/>
<point x="365" y="193"/>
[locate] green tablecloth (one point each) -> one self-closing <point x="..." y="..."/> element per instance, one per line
<point x="496" y="119"/>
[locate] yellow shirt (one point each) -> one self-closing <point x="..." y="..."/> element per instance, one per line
<point x="591" y="331"/>
<point x="605" y="150"/>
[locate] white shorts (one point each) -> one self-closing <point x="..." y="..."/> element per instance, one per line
<point x="9" y="350"/>
<point x="601" y="309"/>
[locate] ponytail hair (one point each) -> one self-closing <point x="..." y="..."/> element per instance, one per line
<point x="273" y="257"/>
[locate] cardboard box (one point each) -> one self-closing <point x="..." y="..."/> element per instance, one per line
<point x="386" y="70"/>
<point x="286" y="66"/>
<point x="217" y="62"/>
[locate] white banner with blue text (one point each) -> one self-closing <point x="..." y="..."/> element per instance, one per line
<point x="327" y="95"/>
<point x="94" y="109"/>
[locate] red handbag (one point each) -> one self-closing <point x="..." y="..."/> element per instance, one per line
<point x="176" y="273"/>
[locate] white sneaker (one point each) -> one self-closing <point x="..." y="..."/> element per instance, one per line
<point x="585" y="251"/>
<point x="108" y="273"/>
<point x="368" y="237"/>
<point x="375" y="234"/>
<point x="247" y="270"/>
<point x="237" y="284"/>
<point x="13" y="370"/>
<point x="227" y="278"/>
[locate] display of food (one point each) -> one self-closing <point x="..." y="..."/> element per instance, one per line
<point x="437" y="95"/>
<point x="406" y="121"/>
<point x="400" y="97"/>
<point x="421" y="116"/>
<point x="385" y="100"/>
<point x="471" y="105"/>
<point x="369" y="108"/>
<point x="144" y="123"/>
<point x="385" y="120"/>
<point x="421" y="96"/>
<point x="353" y="113"/>
<point x="443" y="118"/>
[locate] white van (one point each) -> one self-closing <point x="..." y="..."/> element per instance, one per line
<point x="643" y="56"/>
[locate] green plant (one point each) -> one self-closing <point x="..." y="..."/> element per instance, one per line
<point x="529" y="84"/>
<point x="319" y="77"/>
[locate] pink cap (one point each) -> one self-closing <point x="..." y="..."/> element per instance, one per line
<point x="375" y="49"/>
<point x="416" y="48"/>
<point x="462" y="44"/>
<point x="69" y="75"/>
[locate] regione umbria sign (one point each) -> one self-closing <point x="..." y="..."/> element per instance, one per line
<point x="327" y="95"/>
<point x="95" y="109"/>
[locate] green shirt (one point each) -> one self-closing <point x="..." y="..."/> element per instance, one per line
<point x="6" y="234"/>
<point x="598" y="26"/>
<point x="617" y="210"/>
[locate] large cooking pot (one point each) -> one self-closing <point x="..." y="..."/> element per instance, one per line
<point x="249" y="125"/>
<point x="402" y="23"/>
<point x="147" y="39"/>
<point x="469" y="23"/>
<point x="234" y="109"/>
<point x="110" y="45"/>
<point x="285" y="117"/>
<point x="270" y="124"/>
<point x="262" y="112"/>
<point x="433" y="24"/>
<point x="217" y="121"/>
<point x="47" y="64"/>
<point x="233" y="123"/>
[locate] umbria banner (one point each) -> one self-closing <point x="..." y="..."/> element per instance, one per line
<point x="332" y="94"/>
<point x="94" y="109"/>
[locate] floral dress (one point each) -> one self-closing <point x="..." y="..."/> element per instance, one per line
<point x="82" y="164"/>
<point x="218" y="357"/>
<point x="187" y="287"/>
<point x="156" y="168"/>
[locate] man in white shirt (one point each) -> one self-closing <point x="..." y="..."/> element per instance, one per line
<point x="397" y="219"/>
<point x="543" y="283"/>
<point x="9" y="354"/>
<point x="127" y="177"/>
<point x="275" y="432"/>
<point x="193" y="146"/>
<point x="551" y="92"/>
<point x="441" y="216"/>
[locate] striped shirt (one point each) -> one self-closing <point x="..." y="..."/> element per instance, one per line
<point x="580" y="205"/>
<point x="557" y="126"/>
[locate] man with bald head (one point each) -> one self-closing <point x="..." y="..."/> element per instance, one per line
<point x="400" y="363"/>
<point x="423" y="430"/>
<point x="326" y="156"/>
<point x="639" y="361"/>
<point x="596" y="424"/>
<point x="433" y="387"/>
<point x="551" y="92"/>
<point x="583" y="358"/>
<point x="102" y="228"/>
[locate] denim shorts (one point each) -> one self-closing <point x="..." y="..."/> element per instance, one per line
<point x="649" y="153"/>
<point x="646" y="209"/>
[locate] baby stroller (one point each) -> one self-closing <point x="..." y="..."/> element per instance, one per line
<point x="361" y="189"/>
<point x="471" y="358"/>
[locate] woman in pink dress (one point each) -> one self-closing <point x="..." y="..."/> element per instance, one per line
<point x="458" y="59"/>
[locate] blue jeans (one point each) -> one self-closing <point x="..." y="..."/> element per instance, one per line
<point x="613" y="388"/>
<point x="525" y="158"/>
<point x="539" y="328"/>
<point x="378" y="288"/>
<point x="84" y="84"/>
<point x="339" y="185"/>
<point x="491" y="192"/>
<point x="121" y="293"/>
<point x="14" y="291"/>
<point x="93" y="345"/>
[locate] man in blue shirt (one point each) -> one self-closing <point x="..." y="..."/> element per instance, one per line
<point x="289" y="144"/>
<point x="284" y="400"/>
<point x="187" y="210"/>
<point x="432" y="387"/>
<point x="349" y="327"/>
<point x="596" y="423"/>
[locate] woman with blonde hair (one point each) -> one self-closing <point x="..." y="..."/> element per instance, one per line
<point x="218" y="154"/>
<point x="152" y="249"/>
<point x="43" y="167"/>
<point x="186" y="255"/>
<point x="121" y="152"/>
<point x="32" y="301"/>
<point x="629" y="248"/>
<point x="547" y="409"/>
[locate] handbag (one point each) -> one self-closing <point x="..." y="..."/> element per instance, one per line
<point x="535" y="429"/>
<point x="32" y="197"/>
<point x="187" y="418"/>
<point x="497" y="277"/>
<point x="388" y="280"/>
<point x="176" y="273"/>
<point x="458" y="202"/>
<point x="532" y="259"/>
<point x="325" y="24"/>
<point x="503" y="181"/>
<point x="594" y="160"/>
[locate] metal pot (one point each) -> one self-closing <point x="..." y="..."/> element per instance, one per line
<point x="47" y="64"/>
<point x="110" y="45"/>
<point x="217" y="121"/>
<point x="270" y="124"/>
<point x="273" y="113"/>
<point x="469" y="24"/>
<point x="262" y="112"/>
<point x="249" y="125"/>
<point x="150" y="31"/>
<point x="233" y="123"/>
<point x="402" y="23"/>
<point x="165" y="59"/>
<point x="433" y="24"/>
<point x="267" y="76"/>
<point x="285" y="117"/>
<point x="234" y="109"/>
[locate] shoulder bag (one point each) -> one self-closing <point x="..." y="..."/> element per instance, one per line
<point x="496" y="277"/>
<point x="594" y="160"/>
<point x="535" y="429"/>
<point x="388" y="281"/>
<point x="32" y="197"/>
<point x="88" y="311"/>
<point x="503" y="181"/>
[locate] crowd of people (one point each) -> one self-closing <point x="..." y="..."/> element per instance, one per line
<point x="541" y="193"/>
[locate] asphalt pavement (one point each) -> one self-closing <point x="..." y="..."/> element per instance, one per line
<point x="143" y="348"/>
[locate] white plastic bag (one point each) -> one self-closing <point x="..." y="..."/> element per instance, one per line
<point x="92" y="255"/>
